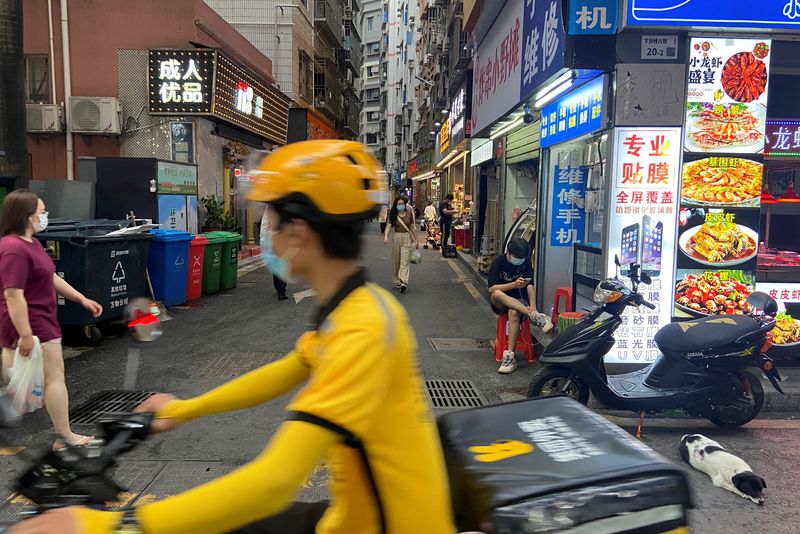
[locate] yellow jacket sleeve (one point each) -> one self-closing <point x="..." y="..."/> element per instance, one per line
<point x="254" y="388"/>
<point x="258" y="490"/>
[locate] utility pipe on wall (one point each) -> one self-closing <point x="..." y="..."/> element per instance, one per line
<point x="67" y="88"/>
<point x="52" y="53"/>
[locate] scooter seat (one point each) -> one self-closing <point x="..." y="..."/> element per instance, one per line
<point x="705" y="333"/>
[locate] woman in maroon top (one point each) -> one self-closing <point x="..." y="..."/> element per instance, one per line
<point x="28" y="304"/>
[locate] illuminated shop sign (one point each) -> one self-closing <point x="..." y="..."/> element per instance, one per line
<point x="205" y="82"/>
<point x="181" y="81"/>
<point x="772" y="14"/>
<point x="782" y="139"/>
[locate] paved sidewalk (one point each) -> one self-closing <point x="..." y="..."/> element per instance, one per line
<point x="226" y="335"/>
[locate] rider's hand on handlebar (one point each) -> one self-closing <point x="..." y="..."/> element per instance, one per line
<point x="62" y="520"/>
<point x="155" y="404"/>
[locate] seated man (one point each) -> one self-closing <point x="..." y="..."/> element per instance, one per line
<point x="512" y="292"/>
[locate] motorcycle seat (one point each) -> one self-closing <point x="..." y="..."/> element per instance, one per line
<point x="705" y="333"/>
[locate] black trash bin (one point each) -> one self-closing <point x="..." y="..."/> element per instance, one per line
<point x="108" y="269"/>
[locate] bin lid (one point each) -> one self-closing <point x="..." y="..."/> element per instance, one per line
<point x="168" y="234"/>
<point x="214" y="238"/>
<point x="199" y="241"/>
<point x="228" y="236"/>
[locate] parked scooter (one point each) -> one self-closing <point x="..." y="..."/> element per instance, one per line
<point x="701" y="368"/>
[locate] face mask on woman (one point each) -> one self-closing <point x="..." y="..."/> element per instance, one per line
<point x="40" y="226"/>
<point x="401" y="207"/>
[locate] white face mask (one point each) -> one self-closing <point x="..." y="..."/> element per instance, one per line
<point x="40" y="226"/>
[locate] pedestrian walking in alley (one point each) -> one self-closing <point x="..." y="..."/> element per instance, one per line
<point x="511" y="291"/>
<point x="277" y="283"/>
<point x="404" y="240"/>
<point x="358" y="407"/>
<point x="446" y="213"/>
<point x="430" y="212"/>
<point x="383" y="216"/>
<point x="28" y="304"/>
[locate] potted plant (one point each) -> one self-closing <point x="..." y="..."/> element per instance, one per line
<point x="215" y="214"/>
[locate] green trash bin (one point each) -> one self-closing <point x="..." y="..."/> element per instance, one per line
<point x="212" y="262"/>
<point x="230" y="259"/>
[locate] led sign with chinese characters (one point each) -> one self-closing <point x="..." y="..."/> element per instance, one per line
<point x="205" y="82"/>
<point x="782" y="139"/>
<point x="181" y="81"/>
<point x="770" y="14"/>
<point x="579" y="113"/>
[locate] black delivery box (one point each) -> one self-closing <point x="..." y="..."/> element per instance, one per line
<point x="553" y="465"/>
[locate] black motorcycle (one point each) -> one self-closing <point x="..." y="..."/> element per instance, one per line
<point x="701" y="368"/>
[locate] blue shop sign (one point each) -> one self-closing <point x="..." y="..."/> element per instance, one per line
<point x="592" y="17"/>
<point x="542" y="44"/>
<point x="568" y="219"/>
<point x="579" y="113"/>
<point x="770" y="14"/>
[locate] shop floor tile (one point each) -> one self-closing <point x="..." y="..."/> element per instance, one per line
<point x="179" y="476"/>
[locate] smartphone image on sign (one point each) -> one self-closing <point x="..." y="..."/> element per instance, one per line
<point x="652" y="240"/>
<point x="630" y="247"/>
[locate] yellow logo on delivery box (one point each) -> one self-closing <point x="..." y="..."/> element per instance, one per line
<point x="501" y="450"/>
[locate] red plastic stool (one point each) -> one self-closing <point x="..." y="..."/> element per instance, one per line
<point x="524" y="341"/>
<point x="565" y="292"/>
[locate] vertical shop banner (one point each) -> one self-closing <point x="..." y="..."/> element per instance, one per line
<point x="641" y="229"/>
<point x="726" y="108"/>
<point x="722" y="180"/>
<point x="497" y="67"/>
<point x="568" y="221"/>
<point x="543" y="44"/>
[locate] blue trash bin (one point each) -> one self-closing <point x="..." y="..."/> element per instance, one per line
<point x="168" y="265"/>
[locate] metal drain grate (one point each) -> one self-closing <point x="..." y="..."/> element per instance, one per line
<point x="453" y="394"/>
<point x="459" y="344"/>
<point x="228" y="364"/>
<point x="107" y="404"/>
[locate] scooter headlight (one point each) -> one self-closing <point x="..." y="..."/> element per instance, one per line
<point x="605" y="296"/>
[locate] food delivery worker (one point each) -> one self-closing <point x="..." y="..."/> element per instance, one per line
<point x="361" y="407"/>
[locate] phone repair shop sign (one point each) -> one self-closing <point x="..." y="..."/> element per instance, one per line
<point x="568" y="219"/>
<point x="642" y="229"/>
<point x="593" y="17"/>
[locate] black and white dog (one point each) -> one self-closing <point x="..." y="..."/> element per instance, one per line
<point x="726" y="470"/>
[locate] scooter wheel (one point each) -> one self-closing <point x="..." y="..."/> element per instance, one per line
<point x="735" y="413"/>
<point x="555" y="380"/>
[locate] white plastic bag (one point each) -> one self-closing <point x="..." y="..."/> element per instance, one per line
<point x="416" y="257"/>
<point x="26" y="387"/>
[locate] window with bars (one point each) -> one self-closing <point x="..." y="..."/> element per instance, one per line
<point x="304" y="75"/>
<point x="37" y="79"/>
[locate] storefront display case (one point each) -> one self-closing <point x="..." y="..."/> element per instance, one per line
<point x="587" y="272"/>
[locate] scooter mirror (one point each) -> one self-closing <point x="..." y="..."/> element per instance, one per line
<point x="143" y="319"/>
<point x="763" y="302"/>
<point x="616" y="260"/>
<point x="646" y="278"/>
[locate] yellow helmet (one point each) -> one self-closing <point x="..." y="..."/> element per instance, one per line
<point x="331" y="179"/>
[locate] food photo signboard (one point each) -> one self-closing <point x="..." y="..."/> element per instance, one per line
<point x="644" y="206"/>
<point x="726" y="105"/>
<point x="722" y="179"/>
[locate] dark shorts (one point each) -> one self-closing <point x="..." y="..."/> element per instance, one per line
<point x="501" y="310"/>
<point x="300" y="518"/>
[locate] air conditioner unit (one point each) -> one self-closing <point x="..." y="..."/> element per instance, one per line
<point x="44" y="118"/>
<point x="95" y="115"/>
